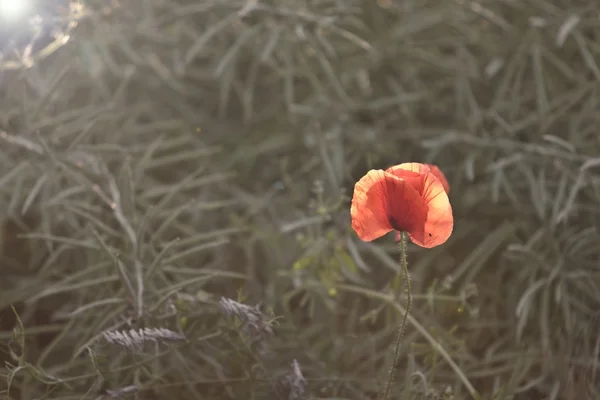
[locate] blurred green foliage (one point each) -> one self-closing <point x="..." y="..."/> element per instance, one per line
<point x="158" y="156"/>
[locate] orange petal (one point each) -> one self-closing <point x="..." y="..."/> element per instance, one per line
<point x="411" y="166"/>
<point x="406" y="209"/>
<point x="369" y="207"/>
<point x="440" y="222"/>
<point x="440" y="175"/>
<point x="383" y="202"/>
<point x="413" y="173"/>
<point x="407" y="170"/>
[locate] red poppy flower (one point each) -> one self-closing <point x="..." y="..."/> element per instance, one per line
<point x="409" y="197"/>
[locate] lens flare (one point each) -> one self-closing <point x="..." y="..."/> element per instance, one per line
<point x="14" y="9"/>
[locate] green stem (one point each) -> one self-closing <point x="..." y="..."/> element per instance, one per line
<point x="435" y="345"/>
<point x="404" y="266"/>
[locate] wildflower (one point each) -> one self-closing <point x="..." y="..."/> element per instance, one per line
<point x="254" y="322"/>
<point x="409" y="197"/>
<point x="292" y="385"/>
<point x="134" y="339"/>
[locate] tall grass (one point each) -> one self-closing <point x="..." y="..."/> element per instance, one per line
<point x="169" y="169"/>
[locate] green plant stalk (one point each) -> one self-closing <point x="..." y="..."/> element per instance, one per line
<point x="436" y="346"/>
<point x="402" y="329"/>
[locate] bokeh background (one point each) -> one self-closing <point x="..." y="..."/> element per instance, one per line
<point x="175" y="179"/>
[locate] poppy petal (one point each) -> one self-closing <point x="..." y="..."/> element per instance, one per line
<point x="413" y="173"/>
<point x="406" y="209"/>
<point x="411" y="166"/>
<point x="440" y="175"/>
<point x="369" y="206"/>
<point x="382" y="202"/>
<point x="407" y="170"/>
<point x="440" y="222"/>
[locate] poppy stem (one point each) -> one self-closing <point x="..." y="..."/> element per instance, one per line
<point x="400" y="335"/>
